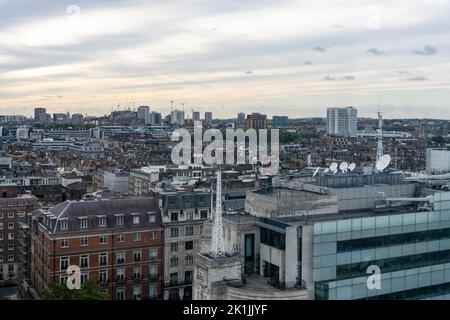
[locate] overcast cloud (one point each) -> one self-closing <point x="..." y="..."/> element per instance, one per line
<point x="278" y="57"/>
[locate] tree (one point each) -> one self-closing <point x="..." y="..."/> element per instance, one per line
<point x="90" y="290"/>
<point x="438" y="140"/>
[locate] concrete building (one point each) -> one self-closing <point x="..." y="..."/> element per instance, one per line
<point x="143" y="114"/>
<point x="40" y="115"/>
<point x="177" y="117"/>
<point x="155" y="119"/>
<point x="183" y="215"/>
<point x="208" y="118"/>
<point x="195" y="116"/>
<point x="116" y="181"/>
<point x="241" y="118"/>
<point x="437" y="160"/>
<point x="117" y="242"/>
<point x="256" y="121"/>
<point x="140" y="180"/>
<point x="342" y="121"/>
<point x="77" y="118"/>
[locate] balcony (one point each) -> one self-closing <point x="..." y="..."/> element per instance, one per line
<point x="178" y="283"/>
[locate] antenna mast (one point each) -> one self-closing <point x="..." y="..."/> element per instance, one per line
<point x="380" y="150"/>
<point x="218" y="248"/>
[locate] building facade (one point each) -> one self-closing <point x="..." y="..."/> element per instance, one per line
<point x="118" y="242"/>
<point x="342" y="121"/>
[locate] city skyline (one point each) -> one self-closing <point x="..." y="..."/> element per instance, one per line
<point x="277" y="58"/>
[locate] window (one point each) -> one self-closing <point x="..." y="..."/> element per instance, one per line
<point x="10" y="204"/>
<point x="1" y="214"/>
<point x="63" y="263"/>
<point x="137" y="255"/>
<point x="153" y="254"/>
<point x="1" y="258"/>
<point x="1" y="247"/>
<point x="64" y="243"/>
<point x="83" y="223"/>
<point x="120" y="274"/>
<point x="188" y="277"/>
<point x="189" y="215"/>
<point x="137" y="236"/>
<point x="137" y="293"/>
<point x="1" y="225"/>
<point x="120" y="294"/>
<point x="120" y="257"/>
<point x="20" y="203"/>
<point x="189" y="231"/>
<point x="203" y="214"/>
<point x="103" y="276"/>
<point x="174" y="216"/>
<point x="173" y="232"/>
<point x="154" y="235"/>
<point x="152" y="291"/>
<point x="173" y="247"/>
<point x="64" y="225"/>
<point x="173" y="262"/>
<point x="83" y="241"/>
<point x="63" y="280"/>
<point x="189" y="245"/>
<point x="151" y="218"/>
<point x="103" y="239"/>
<point x="84" y="261"/>
<point x="120" y="237"/>
<point x="83" y="277"/>
<point x="103" y="259"/>
<point x="10" y="236"/>
<point x="189" y="260"/>
<point x="136" y="219"/>
<point x="1" y="236"/>
<point x="102" y="222"/>
<point x="174" y="278"/>
<point x="136" y="273"/>
<point x="153" y="271"/>
<point x="11" y="225"/>
<point x="119" y="220"/>
<point x="10" y="246"/>
<point x="10" y="257"/>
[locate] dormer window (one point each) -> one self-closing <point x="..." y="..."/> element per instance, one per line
<point x="83" y="223"/>
<point x="64" y="225"/>
<point x="136" y="219"/>
<point x="102" y="222"/>
<point x="119" y="220"/>
<point x="151" y="218"/>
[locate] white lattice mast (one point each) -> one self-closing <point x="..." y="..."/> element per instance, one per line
<point x="380" y="150"/>
<point x="217" y="247"/>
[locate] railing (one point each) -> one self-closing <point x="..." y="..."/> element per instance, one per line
<point x="267" y="286"/>
<point x="178" y="283"/>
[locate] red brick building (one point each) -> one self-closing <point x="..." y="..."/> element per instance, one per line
<point x="13" y="208"/>
<point x="119" y="242"/>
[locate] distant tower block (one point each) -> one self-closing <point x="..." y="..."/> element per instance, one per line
<point x="217" y="248"/>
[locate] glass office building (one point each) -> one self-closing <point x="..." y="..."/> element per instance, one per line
<point x="412" y="250"/>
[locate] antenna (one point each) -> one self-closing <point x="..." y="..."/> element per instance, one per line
<point x="316" y="172"/>
<point x="218" y="248"/>
<point x="380" y="150"/>
<point x="171" y="105"/>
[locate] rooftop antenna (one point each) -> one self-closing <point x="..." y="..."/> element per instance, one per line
<point x="217" y="247"/>
<point x="171" y="105"/>
<point x="380" y="150"/>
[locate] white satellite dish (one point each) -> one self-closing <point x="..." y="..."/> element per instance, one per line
<point x="352" y="166"/>
<point x="326" y="170"/>
<point x="383" y="162"/>
<point x="316" y="172"/>
<point x="343" y="167"/>
<point x="334" y="167"/>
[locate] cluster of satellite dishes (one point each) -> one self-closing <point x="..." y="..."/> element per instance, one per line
<point x="381" y="164"/>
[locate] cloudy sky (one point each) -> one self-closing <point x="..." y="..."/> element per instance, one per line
<point x="285" y="57"/>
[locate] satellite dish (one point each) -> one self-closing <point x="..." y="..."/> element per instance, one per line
<point x="352" y="166"/>
<point x="334" y="167"/>
<point x="326" y="170"/>
<point x="383" y="162"/>
<point x="316" y="172"/>
<point x="343" y="167"/>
